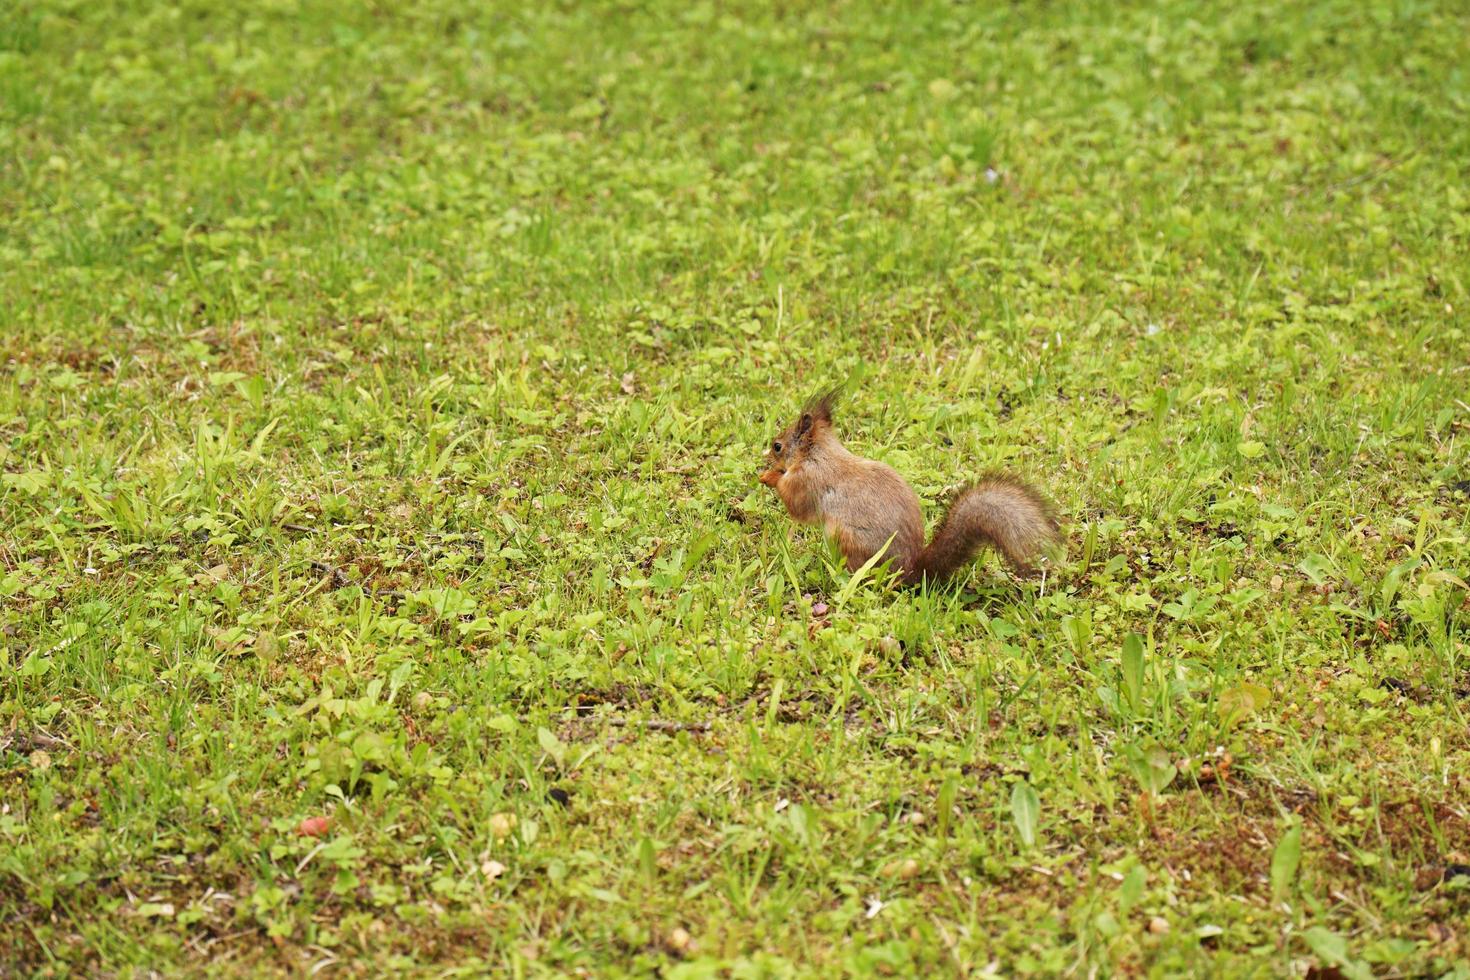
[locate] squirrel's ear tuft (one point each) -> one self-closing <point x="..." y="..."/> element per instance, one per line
<point x="819" y="406"/>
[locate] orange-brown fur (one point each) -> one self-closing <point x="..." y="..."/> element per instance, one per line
<point x="865" y="505"/>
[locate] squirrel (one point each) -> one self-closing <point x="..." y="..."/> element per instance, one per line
<point x="863" y="503"/>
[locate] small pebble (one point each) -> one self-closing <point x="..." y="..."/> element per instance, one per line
<point x="501" y="824"/>
<point x="314" y="826"/>
<point x="1158" y="925"/>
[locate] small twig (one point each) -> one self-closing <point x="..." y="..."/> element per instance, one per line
<point x="298" y="528"/>
<point x="310" y="854"/>
<point x="49" y="741"/>
<point x="32" y="740"/>
<point x="1354" y="180"/>
<point x="584" y="713"/>
<point x="341" y="580"/>
<point x="658" y="724"/>
<point x="471" y="541"/>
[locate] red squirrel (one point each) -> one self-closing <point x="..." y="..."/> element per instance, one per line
<point x="862" y="503"/>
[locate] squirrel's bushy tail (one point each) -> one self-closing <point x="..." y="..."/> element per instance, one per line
<point x="997" y="511"/>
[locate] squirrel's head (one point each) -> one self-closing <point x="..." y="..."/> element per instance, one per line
<point x="792" y="445"/>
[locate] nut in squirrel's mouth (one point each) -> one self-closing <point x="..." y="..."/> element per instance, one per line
<point x="770" y="477"/>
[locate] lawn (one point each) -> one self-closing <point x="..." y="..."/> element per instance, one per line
<point x="385" y="583"/>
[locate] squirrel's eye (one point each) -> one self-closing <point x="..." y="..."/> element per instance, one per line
<point x="776" y="446"/>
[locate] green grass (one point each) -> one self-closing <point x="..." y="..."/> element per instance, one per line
<point x="382" y="390"/>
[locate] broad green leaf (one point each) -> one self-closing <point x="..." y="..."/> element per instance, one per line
<point x="1284" y="862"/>
<point x="1131" y="890"/>
<point x="945" y="805"/>
<point x="647" y="858"/>
<point x="1152" y="766"/>
<point x="1251" y="449"/>
<point x="858" y="576"/>
<point x="1241" y="701"/>
<point x="551" y="745"/>
<point x="1025" y="811"/>
<point x="1133" y="669"/>
<point x="1315" y="567"/>
<point x="1333" y="949"/>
